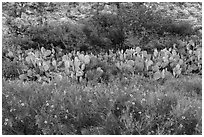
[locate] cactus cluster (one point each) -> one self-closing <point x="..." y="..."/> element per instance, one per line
<point x="158" y="65"/>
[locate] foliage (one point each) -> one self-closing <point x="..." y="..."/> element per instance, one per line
<point x="11" y="69"/>
<point x="102" y="68"/>
<point x="37" y="25"/>
<point x="105" y="32"/>
<point x="164" y="64"/>
<point x="65" y="107"/>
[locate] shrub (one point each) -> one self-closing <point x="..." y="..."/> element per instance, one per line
<point x="187" y="123"/>
<point x="190" y="86"/>
<point x="101" y="71"/>
<point x="11" y="69"/>
<point x="105" y="32"/>
<point x="66" y="107"/>
<point x="57" y="34"/>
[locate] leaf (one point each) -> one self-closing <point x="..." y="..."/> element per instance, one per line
<point x="29" y="72"/>
<point x="67" y="64"/>
<point x="149" y="63"/>
<point x="43" y="49"/>
<point x="180" y="62"/>
<point x="155" y="68"/>
<point x="177" y="70"/>
<point x="168" y="75"/>
<point x="178" y="66"/>
<point x="165" y="59"/>
<point x="81" y="57"/>
<point x="133" y="40"/>
<point x="46" y="66"/>
<point x="157" y="75"/>
<point x="72" y="74"/>
<point x="39" y="120"/>
<point x="53" y="51"/>
<point x="118" y="65"/>
<point x="164" y="64"/>
<point x="22" y="77"/>
<point x="58" y="77"/>
<point x="79" y="73"/>
<point x="138" y="49"/>
<point x="163" y="73"/>
<point x="54" y="63"/>
<point x="10" y="54"/>
<point x="86" y="59"/>
<point x="99" y="69"/>
<point x="144" y="54"/>
<point x="82" y="66"/>
<point x="121" y="56"/>
<point x="59" y="63"/>
<point x="64" y="58"/>
<point x="37" y="53"/>
<point x="155" y="53"/>
<point x="80" y="79"/>
<point x="139" y="65"/>
<point x="127" y="67"/>
<point x="76" y="63"/>
<point x="148" y="56"/>
<point x="47" y="53"/>
<point x="130" y="62"/>
<point x="124" y="56"/>
<point x="174" y="52"/>
<point x="28" y="59"/>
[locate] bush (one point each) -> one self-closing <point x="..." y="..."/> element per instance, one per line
<point x="65" y="107"/>
<point x="100" y="71"/>
<point x="62" y="34"/>
<point x="190" y="86"/>
<point x="11" y="69"/>
<point x="104" y="32"/>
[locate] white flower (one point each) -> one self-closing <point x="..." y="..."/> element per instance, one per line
<point x="183" y="117"/>
<point x="133" y="103"/>
<point x="22" y="104"/>
<point x="143" y="99"/>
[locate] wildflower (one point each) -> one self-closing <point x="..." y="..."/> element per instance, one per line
<point x="22" y="104"/>
<point x="180" y="125"/>
<point x="47" y="104"/>
<point x="133" y="103"/>
<point x="183" y="117"/>
<point x="143" y="100"/>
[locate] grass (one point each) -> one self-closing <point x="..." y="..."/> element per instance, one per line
<point x="126" y="107"/>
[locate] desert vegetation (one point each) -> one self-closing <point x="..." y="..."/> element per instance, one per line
<point x="103" y="68"/>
